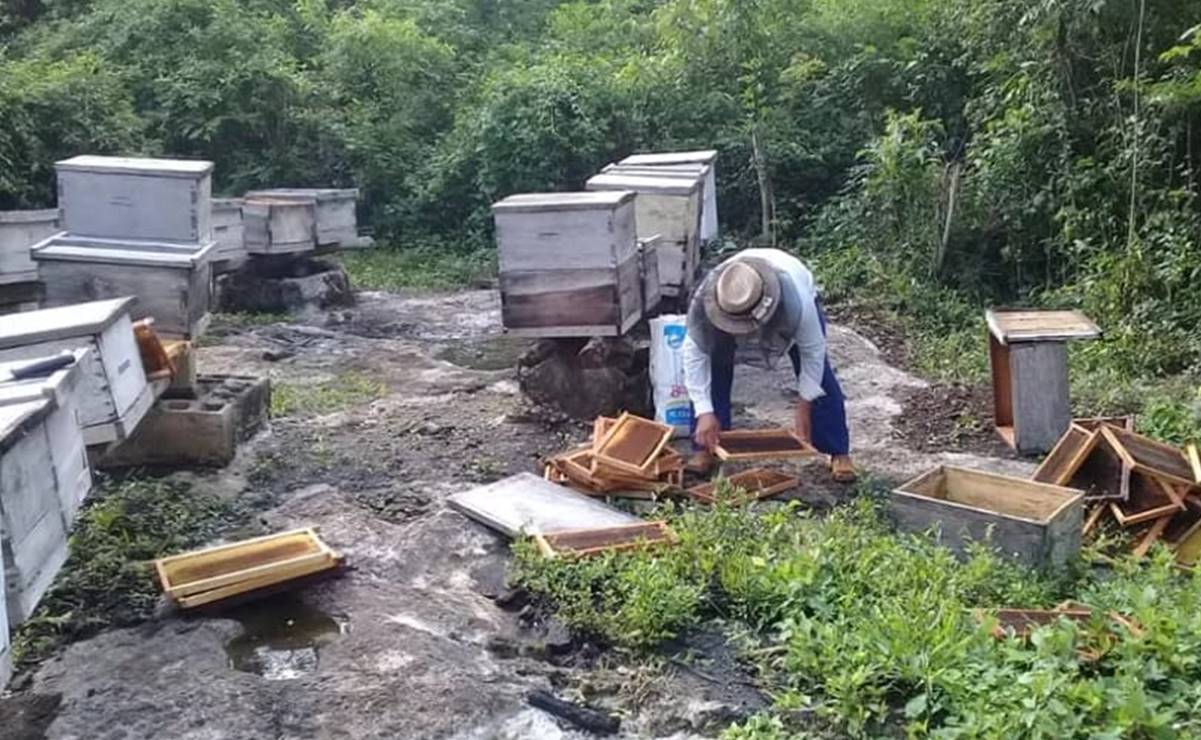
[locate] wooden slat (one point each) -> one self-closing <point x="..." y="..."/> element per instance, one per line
<point x="761" y="444"/>
<point x="1194" y="460"/>
<point x="1094" y="518"/>
<point x="1150" y="499"/>
<point x="1151" y="536"/>
<point x="215" y="567"/>
<point x="1067" y="456"/>
<point x="1002" y="386"/>
<point x="275" y="577"/>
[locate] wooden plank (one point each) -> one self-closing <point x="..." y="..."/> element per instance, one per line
<point x="1067" y="456"/>
<point x="1094" y="518"/>
<point x="1014" y="326"/>
<point x="192" y="573"/>
<point x="1150" y="537"/>
<point x="755" y="484"/>
<point x="1094" y="423"/>
<point x="1194" y="460"/>
<point x="586" y="542"/>
<point x="1151" y="457"/>
<point x="1041" y="405"/>
<point x="747" y="445"/>
<point x="1006" y="494"/>
<point x="1002" y="385"/>
<point x="633" y="444"/>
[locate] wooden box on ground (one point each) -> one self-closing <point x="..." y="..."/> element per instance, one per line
<point x="172" y="281"/>
<point x="218" y="573"/>
<point x="229" y="235"/>
<point x="279" y="225"/>
<point x="1029" y="358"/>
<point x="133" y="198"/>
<point x="336" y="222"/>
<point x="1036" y="523"/>
<point x="114" y="395"/>
<point x="670" y="208"/>
<point x="674" y="159"/>
<point x="19" y="231"/>
<point x="569" y="264"/>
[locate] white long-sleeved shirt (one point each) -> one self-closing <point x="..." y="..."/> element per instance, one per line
<point x="795" y="323"/>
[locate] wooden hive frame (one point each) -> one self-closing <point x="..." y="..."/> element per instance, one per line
<point x="1150" y="499"/>
<point x="1151" y="457"/>
<point x="632" y="445"/>
<point x="587" y="542"/>
<point x="1073" y="462"/>
<point x="751" y="445"/>
<point x="759" y="483"/>
<point x="1067" y="456"/>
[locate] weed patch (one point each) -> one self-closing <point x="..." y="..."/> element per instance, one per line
<point x="421" y="268"/>
<point x="326" y="397"/>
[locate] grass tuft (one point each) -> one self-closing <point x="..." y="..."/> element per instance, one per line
<point x="327" y="397"/>
<point x="420" y="268"/>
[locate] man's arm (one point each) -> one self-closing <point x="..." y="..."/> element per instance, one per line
<point x="698" y="379"/>
<point x="811" y="344"/>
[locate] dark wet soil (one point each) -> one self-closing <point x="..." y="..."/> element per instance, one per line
<point x="26" y="716"/>
<point x="950" y="418"/>
<point x="883" y="329"/>
<point x="281" y="637"/>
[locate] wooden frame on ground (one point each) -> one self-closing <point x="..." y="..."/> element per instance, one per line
<point x="585" y="542"/>
<point x="750" y="445"/>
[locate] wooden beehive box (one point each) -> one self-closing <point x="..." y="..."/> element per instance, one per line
<point x="136" y="198"/>
<point x="279" y="225"/>
<point x="569" y="264"/>
<point x="218" y="573"/>
<point x="648" y="264"/>
<point x="670" y="208"/>
<point x="229" y="235"/>
<point x="672" y="160"/>
<point x="336" y="221"/>
<point x="64" y="389"/>
<point x="114" y="395"/>
<point x="19" y="231"/>
<point x="1028" y="355"/>
<point x="172" y="281"/>
<point x="1037" y="523"/>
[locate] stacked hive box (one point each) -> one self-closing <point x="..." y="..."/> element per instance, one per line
<point x="297" y="220"/>
<point x="19" y="231"/>
<point x="134" y="227"/>
<point x="680" y="161"/>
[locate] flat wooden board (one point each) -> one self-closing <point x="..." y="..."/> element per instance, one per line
<point x="584" y="542"/>
<point x="1010" y="326"/>
<point x="755" y="484"/>
<point x="1066" y="457"/>
<point x="1149" y="536"/>
<point x="1150" y="456"/>
<point x="633" y="444"/>
<point x="761" y="444"/>
<point x="1194" y="460"/>
<point x="527" y="503"/>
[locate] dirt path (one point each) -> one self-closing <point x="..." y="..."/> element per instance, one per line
<point x="420" y="646"/>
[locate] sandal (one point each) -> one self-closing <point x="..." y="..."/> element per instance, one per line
<point x="842" y="470"/>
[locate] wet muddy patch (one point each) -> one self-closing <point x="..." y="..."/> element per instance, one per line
<point x="491" y="354"/>
<point x="282" y="637"/>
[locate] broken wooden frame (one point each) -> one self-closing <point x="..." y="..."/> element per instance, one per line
<point x="756" y="484"/>
<point x="1084" y="459"/>
<point x="751" y="445"/>
<point x="1150" y="499"/>
<point x="632" y="445"/>
<point x="586" y="542"/>
<point x="1151" y="457"/>
<point x="217" y="573"/>
<point x="1020" y="623"/>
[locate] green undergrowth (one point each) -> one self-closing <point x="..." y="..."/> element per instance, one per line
<point x="418" y="268"/>
<point x="865" y="632"/>
<point x="108" y="579"/>
<point x="325" y="397"/>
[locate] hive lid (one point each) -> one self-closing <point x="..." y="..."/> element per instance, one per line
<point x="66" y="248"/>
<point x="319" y="194"/>
<point x="1021" y="325"/>
<point x="576" y="201"/>
<point x="707" y="156"/>
<point x="17" y="419"/>
<point x="64" y="322"/>
<point x="189" y="168"/>
<point x="25" y="217"/>
<point x="649" y="184"/>
<point x="690" y="169"/>
<point x="51" y="387"/>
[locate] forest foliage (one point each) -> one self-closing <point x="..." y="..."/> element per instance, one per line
<point x="940" y="153"/>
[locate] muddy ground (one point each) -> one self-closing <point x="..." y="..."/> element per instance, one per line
<point x="417" y="640"/>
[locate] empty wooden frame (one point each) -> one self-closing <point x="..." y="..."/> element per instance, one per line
<point x="749" y="445"/>
<point x="1146" y="455"/>
<point x="585" y="542"/>
<point x="755" y="484"/>
<point x="1085" y="460"/>
<point x="1150" y="498"/>
<point x="632" y="445"/>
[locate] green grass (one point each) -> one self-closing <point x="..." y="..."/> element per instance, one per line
<point x="867" y="632"/>
<point x="326" y="397"/>
<point x="420" y="268"/>
<point x="108" y="580"/>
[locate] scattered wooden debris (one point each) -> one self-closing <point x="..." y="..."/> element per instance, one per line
<point x="632" y="474"/>
<point x="756" y="484"/>
<point x="218" y="573"/>
<point x="749" y="445"/>
<point x="1020" y="623"/>
<point x="584" y="542"/>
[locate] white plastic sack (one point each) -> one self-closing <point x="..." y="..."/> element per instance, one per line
<point x="672" y="406"/>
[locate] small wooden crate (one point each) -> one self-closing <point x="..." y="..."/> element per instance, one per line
<point x="115" y="394"/>
<point x="218" y="573"/>
<point x="671" y="209"/>
<point x="136" y="198"/>
<point x="752" y="445"/>
<point x="708" y="158"/>
<point x="1028" y="354"/>
<point x="19" y="231"/>
<point x="569" y="264"/>
<point x="336" y="221"/>
<point x="274" y="226"/>
<point x="1037" y="523"/>
<point x="586" y="542"/>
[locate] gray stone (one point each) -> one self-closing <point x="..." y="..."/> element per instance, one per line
<point x="284" y="284"/>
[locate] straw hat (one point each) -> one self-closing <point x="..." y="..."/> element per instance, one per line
<point x="742" y="295"/>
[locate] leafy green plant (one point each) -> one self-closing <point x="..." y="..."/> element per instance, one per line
<point x="325" y="397"/>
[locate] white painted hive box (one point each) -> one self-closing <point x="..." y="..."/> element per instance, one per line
<point x="19" y="231"/>
<point x="337" y="223"/>
<point x="568" y="264"/>
<point x="228" y="233"/>
<point x="114" y="394"/>
<point x="65" y="389"/>
<point x="279" y="225"/>
<point x="707" y="157"/>
<point x="669" y="208"/>
<point x="171" y="280"/>
<point x="136" y="198"/>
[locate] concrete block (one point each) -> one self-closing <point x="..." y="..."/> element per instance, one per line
<point x="206" y="430"/>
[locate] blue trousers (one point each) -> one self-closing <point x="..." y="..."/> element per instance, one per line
<point x="829" y="416"/>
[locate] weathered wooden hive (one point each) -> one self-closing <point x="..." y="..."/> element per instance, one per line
<point x="115" y="394"/>
<point x="229" y="234"/>
<point x="279" y="226"/>
<point x="19" y="231"/>
<point x="334" y="211"/>
<point x="673" y="160"/>
<point x="670" y="208"/>
<point x="569" y="264"/>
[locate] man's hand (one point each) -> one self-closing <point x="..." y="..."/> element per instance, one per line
<point x="708" y="431"/>
<point x="804" y="421"/>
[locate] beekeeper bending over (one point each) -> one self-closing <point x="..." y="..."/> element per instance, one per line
<point x="769" y="296"/>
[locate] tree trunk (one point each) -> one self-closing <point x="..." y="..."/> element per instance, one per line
<point x="766" y="200"/>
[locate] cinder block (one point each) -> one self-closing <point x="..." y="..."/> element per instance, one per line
<point x="200" y="431"/>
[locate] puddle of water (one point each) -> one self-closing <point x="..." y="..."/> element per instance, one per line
<point x="281" y="637"/>
<point x="499" y="353"/>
